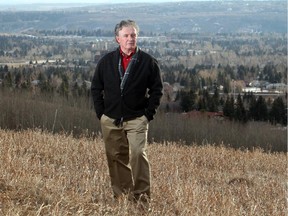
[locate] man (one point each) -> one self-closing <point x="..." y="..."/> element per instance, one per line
<point x="126" y="90"/>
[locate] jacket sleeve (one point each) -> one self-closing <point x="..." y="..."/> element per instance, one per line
<point x="97" y="91"/>
<point x="155" y="90"/>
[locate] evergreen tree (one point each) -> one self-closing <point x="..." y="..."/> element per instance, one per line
<point x="228" y="109"/>
<point x="6" y="69"/>
<point x="8" y="80"/>
<point x="240" y="112"/>
<point x="201" y="104"/>
<point x="64" y="87"/>
<point x="226" y="86"/>
<point x="43" y="83"/>
<point x="187" y="101"/>
<point x="278" y="113"/>
<point x="261" y="110"/>
<point x="252" y="107"/>
<point x="213" y="106"/>
<point x="18" y="79"/>
<point x="221" y="102"/>
<point x="3" y="71"/>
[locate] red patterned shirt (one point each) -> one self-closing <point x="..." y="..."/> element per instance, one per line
<point x="125" y="59"/>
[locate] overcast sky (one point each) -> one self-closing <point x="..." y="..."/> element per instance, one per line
<point x="81" y="1"/>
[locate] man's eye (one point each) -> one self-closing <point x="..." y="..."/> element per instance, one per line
<point x="127" y="36"/>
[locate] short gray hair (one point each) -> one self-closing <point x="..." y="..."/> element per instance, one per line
<point x="126" y="23"/>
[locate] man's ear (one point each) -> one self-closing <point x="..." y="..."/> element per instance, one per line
<point x="117" y="39"/>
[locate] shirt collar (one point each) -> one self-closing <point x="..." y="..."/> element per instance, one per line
<point x="126" y="56"/>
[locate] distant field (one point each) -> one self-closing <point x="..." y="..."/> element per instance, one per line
<point x="18" y="64"/>
<point x="45" y="174"/>
<point x="21" y="63"/>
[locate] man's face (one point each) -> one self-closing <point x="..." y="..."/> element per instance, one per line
<point x="127" y="39"/>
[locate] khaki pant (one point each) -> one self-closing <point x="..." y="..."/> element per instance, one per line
<point x="128" y="164"/>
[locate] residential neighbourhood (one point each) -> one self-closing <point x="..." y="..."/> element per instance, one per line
<point x="202" y="66"/>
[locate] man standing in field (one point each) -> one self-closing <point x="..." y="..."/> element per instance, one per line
<point x="126" y="90"/>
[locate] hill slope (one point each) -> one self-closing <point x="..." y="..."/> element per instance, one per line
<point x="45" y="174"/>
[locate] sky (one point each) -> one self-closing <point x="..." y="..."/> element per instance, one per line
<point x="81" y="1"/>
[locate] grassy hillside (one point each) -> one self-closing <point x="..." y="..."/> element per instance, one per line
<point x="45" y="174"/>
<point x="20" y="111"/>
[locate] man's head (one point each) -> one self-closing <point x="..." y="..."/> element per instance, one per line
<point x="126" y="33"/>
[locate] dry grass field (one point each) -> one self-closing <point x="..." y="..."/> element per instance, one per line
<point x="46" y="174"/>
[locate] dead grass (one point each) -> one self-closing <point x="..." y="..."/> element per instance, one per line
<point x="45" y="174"/>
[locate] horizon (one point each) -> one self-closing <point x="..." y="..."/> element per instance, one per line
<point x="27" y="2"/>
<point x="24" y="2"/>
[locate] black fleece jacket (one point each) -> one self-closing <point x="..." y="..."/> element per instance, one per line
<point x="142" y="91"/>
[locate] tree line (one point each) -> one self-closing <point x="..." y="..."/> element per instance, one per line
<point x="248" y="107"/>
<point x="62" y="81"/>
<point x="75" y="83"/>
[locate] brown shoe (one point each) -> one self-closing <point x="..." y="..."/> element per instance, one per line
<point x="143" y="206"/>
<point x="143" y="202"/>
